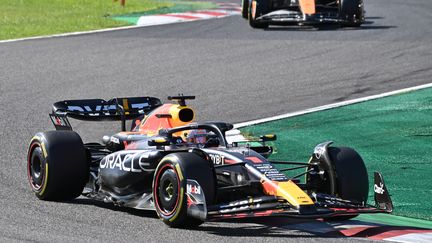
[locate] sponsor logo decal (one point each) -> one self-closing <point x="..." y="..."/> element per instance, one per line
<point x="132" y="162"/>
<point x="59" y="121"/>
<point x="241" y="205"/>
<point x="97" y="110"/>
<point x="379" y="189"/>
<point x="217" y="159"/>
<point x="235" y="208"/>
<point x="269" y="171"/>
<point x="193" y="189"/>
<point x="114" y="140"/>
<point x="319" y="151"/>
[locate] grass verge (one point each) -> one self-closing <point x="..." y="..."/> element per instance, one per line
<point x="26" y="18"/>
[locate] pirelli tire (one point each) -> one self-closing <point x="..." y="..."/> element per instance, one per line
<point x="245" y="8"/>
<point x="169" y="187"/>
<point x="345" y="176"/>
<point x="256" y="9"/>
<point x="57" y="165"/>
<point x="352" y="11"/>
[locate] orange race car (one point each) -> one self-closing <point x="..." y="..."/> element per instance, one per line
<point x="262" y="13"/>
<point x="189" y="172"/>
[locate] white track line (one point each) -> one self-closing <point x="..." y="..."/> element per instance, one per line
<point x="330" y="106"/>
<point x="71" y="34"/>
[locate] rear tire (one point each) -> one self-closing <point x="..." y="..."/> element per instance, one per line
<point x="169" y="187"/>
<point x="57" y="165"/>
<point x="352" y="11"/>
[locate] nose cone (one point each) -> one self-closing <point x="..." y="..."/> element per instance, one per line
<point x="289" y="191"/>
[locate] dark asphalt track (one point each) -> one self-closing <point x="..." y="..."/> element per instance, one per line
<point x="237" y="73"/>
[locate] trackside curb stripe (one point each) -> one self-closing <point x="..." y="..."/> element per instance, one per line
<point x="394" y="220"/>
<point x="413" y="237"/>
<point x="181" y="16"/>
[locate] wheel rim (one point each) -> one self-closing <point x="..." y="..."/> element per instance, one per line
<point x="36" y="170"/>
<point x="320" y="181"/>
<point x="167" y="190"/>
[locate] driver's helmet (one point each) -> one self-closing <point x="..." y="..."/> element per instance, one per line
<point x="197" y="136"/>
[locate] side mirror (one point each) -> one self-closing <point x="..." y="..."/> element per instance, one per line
<point x="158" y="141"/>
<point x="268" y="137"/>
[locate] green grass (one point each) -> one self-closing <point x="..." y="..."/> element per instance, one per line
<point x="25" y="18"/>
<point x="393" y="135"/>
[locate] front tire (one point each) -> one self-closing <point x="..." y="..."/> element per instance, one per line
<point x="344" y="176"/>
<point x="352" y="181"/>
<point x="245" y="9"/>
<point x="169" y="187"/>
<point x="352" y="11"/>
<point x="257" y="8"/>
<point x="57" y="167"/>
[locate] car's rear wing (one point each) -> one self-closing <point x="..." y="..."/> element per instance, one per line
<point x="116" y="109"/>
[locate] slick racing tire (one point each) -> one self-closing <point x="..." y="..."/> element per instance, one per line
<point x="245" y="8"/>
<point x="170" y="190"/>
<point x="57" y="165"/>
<point x="352" y="11"/>
<point x="348" y="178"/>
<point x="352" y="181"/>
<point x="256" y="9"/>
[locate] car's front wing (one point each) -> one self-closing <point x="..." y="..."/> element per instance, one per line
<point x="288" y="17"/>
<point x="274" y="206"/>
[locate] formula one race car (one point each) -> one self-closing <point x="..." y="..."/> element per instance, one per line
<point x="262" y="13"/>
<point x="188" y="172"/>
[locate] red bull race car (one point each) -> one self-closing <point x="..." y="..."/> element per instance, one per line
<point x="262" y="13"/>
<point x="189" y="172"/>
